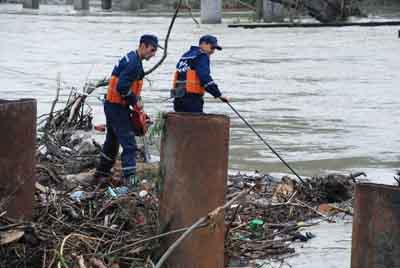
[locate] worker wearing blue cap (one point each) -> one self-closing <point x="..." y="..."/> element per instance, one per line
<point x="124" y="91"/>
<point x="192" y="77"/>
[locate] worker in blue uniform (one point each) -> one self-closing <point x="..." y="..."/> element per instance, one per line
<point x="192" y="77"/>
<point x="123" y="92"/>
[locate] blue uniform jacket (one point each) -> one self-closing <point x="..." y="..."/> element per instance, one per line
<point x="199" y="61"/>
<point x="128" y="69"/>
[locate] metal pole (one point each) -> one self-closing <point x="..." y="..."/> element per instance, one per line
<point x="266" y="143"/>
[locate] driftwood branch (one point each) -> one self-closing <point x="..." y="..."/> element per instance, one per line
<point x="166" y="41"/>
<point x="105" y="81"/>
<point x="191" y="12"/>
<point x="53" y="105"/>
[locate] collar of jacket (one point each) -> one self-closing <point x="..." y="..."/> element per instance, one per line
<point x="140" y="65"/>
<point x="196" y="49"/>
<point x="138" y="57"/>
<point x="193" y="52"/>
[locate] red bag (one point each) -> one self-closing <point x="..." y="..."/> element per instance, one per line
<point x="140" y="121"/>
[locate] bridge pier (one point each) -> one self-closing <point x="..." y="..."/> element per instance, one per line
<point x="273" y="12"/>
<point x="106" y="4"/>
<point x="127" y="5"/>
<point x="211" y="11"/>
<point x="81" y="4"/>
<point x="32" y="4"/>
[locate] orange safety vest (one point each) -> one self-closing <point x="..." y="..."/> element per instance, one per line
<point x="113" y="95"/>
<point x="192" y="82"/>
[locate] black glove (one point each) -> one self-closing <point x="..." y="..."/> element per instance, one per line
<point x="224" y="99"/>
<point x="131" y="100"/>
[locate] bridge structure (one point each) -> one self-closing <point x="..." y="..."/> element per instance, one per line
<point x="210" y="10"/>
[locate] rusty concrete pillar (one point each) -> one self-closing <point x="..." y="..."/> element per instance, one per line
<point x="17" y="157"/>
<point x="376" y="227"/>
<point x="194" y="167"/>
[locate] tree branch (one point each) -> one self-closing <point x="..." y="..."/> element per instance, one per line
<point x="166" y="40"/>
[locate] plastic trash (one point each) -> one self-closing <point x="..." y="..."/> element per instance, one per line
<point x="143" y="194"/>
<point x="117" y="191"/>
<point x="100" y="127"/>
<point x="301" y="224"/>
<point x="303" y="237"/>
<point x="77" y="195"/>
<point x="256" y="224"/>
<point x="111" y="192"/>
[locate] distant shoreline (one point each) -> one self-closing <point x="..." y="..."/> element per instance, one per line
<point x="390" y="11"/>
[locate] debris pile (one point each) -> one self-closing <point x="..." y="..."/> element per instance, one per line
<point x="87" y="225"/>
<point x="77" y="224"/>
<point x="270" y="217"/>
<point x="83" y="225"/>
<point x="74" y="222"/>
<point x="62" y="142"/>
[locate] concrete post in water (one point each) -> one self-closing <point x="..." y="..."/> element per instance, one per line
<point x="32" y="4"/>
<point x="81" y="4"/>
<point x="376" y="221"/>
<point x="17" y="157"/>
<point x="194" y="164"/>
<point x="127" y="5"/>
<point x="211" y="11"/>
<point x="273" y="12"/>
<point x="106" y="4"/>
<point x="259" y="10"/>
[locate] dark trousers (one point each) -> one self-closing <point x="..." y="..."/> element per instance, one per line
<point x="119" y="132"/>
<point x="189" y="103"/>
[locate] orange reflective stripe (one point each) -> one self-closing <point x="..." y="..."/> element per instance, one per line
<point x="175" y="79"/>
<point x="137" y="87"/>
<point x="113" y="95"/>
<point x="193" y="84"/>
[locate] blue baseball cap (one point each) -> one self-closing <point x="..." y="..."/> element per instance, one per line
<point x="210" y="39"/>
<point x="150" y="40"/>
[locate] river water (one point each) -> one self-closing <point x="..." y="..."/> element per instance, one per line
<point x="327" y="99"/>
